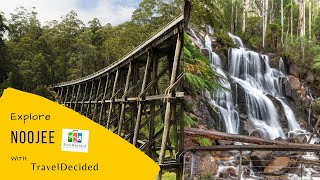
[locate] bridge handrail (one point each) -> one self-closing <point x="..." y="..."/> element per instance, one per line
<point x="126" y="56"/>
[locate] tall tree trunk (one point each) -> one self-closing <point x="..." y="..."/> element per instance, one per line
<point x="244" y="15"/>
<point x="304" y="18"/>
<point x="291" y="19"/>
<point x="301" y="18"/>
<point x="236" y="19"/>
<point x="310" y="18"/>
<point x="271" y="11"/>
<point x="264" y="20"/>
<point x="282" y="23"/>
<point x="232" y="23"/>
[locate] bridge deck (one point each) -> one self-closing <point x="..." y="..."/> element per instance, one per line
<point x="153" y="41"/>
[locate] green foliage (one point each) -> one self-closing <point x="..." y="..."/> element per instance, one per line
<point x="318" y="100"/>
<point x="252" y="36"/>
<point x="199" y="75"/>
<point x="38" y="56"/>
<point x="188" y="121"/>
<point x="207" y="12"/>
<point x="304" y="52"/>
<point x="204" y="141"/>
<point x="168" y="176"/>
<point x="316" y="64"/>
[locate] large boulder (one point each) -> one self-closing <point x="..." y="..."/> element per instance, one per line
<point x="260" y="159"/>
<point x="294" y="70"/>
<point x="206" y="165"/>
<point x="297" y="138"/>
<point x="294" y="82"/>
<point x="310" y="77"/>
<point x="274" y="60"/>
<point x="280" y="110"/>
<point x="229" y="173"/>
<point x="205" y="52"/>
<point x="278" y="165"/>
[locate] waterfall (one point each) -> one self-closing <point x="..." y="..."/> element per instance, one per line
<point x="261" y="111"/>
<point x="282" y="68"/>
<point x="223" y="100"/>
<point x="261" y="84"/>
<point x="196" y="37"/>
<point x="292" y="122"/>
<point x="253" y="73"/>
<point x="236" y="40"/>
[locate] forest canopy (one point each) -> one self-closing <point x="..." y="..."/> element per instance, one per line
<point x="34" y="55"/>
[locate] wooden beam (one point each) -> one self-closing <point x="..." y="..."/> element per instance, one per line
<point x="103" y="99"/>
<point x="112" y="96"/>
<point x="122" y="113"/>
<point x="84" y="97"/>
<point x="216" y="135"/>
<point x="291" y="147"/>
<point x="139" y="115"/>
<point x="96" y="103"/>
<point x="160" y="97"/>
<point x="167" y="117"/>
<point x="153" y="90"/>
<point x="72" y="94"/>
<point x="66" y="96"/>
<point x="90" y="98"/>
<point x="77" y="97"/>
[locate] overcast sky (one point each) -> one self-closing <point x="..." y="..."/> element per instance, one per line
<point x="107" y="11"/>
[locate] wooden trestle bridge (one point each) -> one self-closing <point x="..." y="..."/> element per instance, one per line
<point x="138" y="97"/>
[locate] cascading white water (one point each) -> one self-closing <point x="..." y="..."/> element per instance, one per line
<point x="195" y="36"/>
<point x="236" y="40"/>
<point x="292" y="122"/>
<point x="282" y="68"/>
<point x="223" y="100"/>
<point x="253" y="73"/>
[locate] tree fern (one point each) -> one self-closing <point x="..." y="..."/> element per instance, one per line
<point x="316" y="64"/>
<point x="199" y="75"/>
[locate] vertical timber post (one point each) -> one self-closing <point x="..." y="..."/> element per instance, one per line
<point x="165" y="135"/>
<point x="77" y="98"/>
<point x="66" y="97"/>
<point x="60" y="99"/>
<point x="84" y="97"/>
<point x="152" y="106"/>
<point x="89" y="101"/>
<point x="103" y="99"/>
<point x="72" y="96"/>
<point x="144" y="83"/>
<point x="96" y="101"/>
<point x="112" y="97"/>
<point x="123" y="106"/>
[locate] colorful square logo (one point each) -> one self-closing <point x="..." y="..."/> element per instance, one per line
<point x="75" y="140"/>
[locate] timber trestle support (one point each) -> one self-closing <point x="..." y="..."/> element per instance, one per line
<point x="138" y="97"/>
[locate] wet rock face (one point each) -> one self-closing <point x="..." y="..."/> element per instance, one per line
<point x="293" y="70"/>
<point x="274" y="60"/>
<point x="280" y="110"/>
<point x="297" y="138"/>
<point x="296" y="91"/>
<point x="260" y="159"/>
<point x="229" y="173"/>
<point x="310" y="77"/>
<point x="293" y="83"/>
<point x="205" y="52"/>
<point x="207" y="166"/>
<point x="278" y="165"/>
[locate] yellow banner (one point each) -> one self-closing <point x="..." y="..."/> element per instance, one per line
<point x="42" y="139"/>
